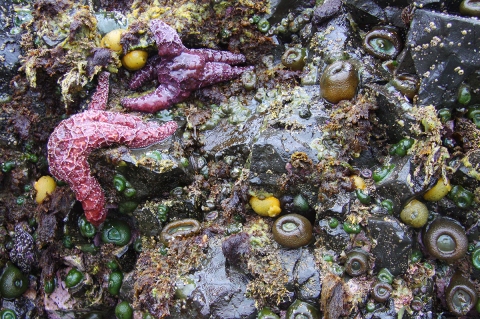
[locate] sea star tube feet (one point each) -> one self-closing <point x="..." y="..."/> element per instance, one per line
<point x="75" y="138"/>
<point x="180" y="70"/>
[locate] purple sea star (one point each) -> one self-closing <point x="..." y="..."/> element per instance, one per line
<point x="76" y="137"/>
<point x="180" y="70"/>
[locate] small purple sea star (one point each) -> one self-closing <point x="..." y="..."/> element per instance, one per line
<point x="76" y="137"/>
<point x="180" y="70"/>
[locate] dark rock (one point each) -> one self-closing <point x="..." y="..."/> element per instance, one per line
<point x="393" y="112"/>
<point x="307" y="277"/>
<point x="281" y="8"/>
<point x="326" y="11"/>
<point x="9" y="45"/>
<point x="336" y="37"/>
<point x="289" y="133"/>
<point x="400" y="185"/>
<point x="365" y="12"/>
<point x="383" y="310"/>
<point x="336" y="206"/>
<point x="394" y="16"/>
<point x="147" y="220"/>
<point x="397" y="3"/>
<point x="444" y="49"/>
<point x="151" y="171"/>
<point x="288" y="259"/>
<point x="219" y="291"/>
<point x="227" y="139"/>
<point x="405" y="63"/>
<point x="468" y="174"/>
<point x="303" y="274"/>
<point x="393" y="243"/>
<point x="335" y="239"/>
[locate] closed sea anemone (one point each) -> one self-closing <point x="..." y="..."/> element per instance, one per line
<point x="339" y="81"/>
<point x="460" y="295"/>
<point x="357" y="262"/>
<point x="445" y="239"/>
<point x="292" y="231"/>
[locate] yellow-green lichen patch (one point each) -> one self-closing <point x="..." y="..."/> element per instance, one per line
<point x="428" y="152"/>
<point x="268" y="284"/>
<point x="202" y="21"/>
<point x="158" y="269"/>
<point x="61" y="45"/>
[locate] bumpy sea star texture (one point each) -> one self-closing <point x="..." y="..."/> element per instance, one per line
<point x="76" y="137"/>
<point x="180" y="71"/>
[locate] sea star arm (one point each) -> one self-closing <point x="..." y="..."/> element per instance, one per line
<point x="145" y="74"/>
<point x="219" y="56"/>
<point x="161" y="98"/>
<point x="75" y="138"/>
<point x="167" y="39"/>
<point x="100" y="97"/>
<point x="215" y="72"/>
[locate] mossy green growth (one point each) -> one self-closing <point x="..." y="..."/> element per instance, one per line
<point x="115" y="280"/>
<point x="464" y="95"/>
<point x="267" y="313"/>
<point x="473" y="113"/>
<point x="301" y="309"/>
<point x="74" y="277"/>
<point x="123" y="310"/>
<point x="263" y="25"/>
<point x="401" y="148"/>
<point x="476" y="258"/>
<point x="8" y="314"/>
<point x="50" y="285"/>
<point x="13" y="283"/>
<point x="300" y="203"/>
<point x="116" y="232"/>
<point x="363" y="197"/>
<point x="385" y="275"/>
<point x="127" y="207"/>
<point x="444" y="115"/>
<point x="415" y="256"/>
<point x="350" y="228"/>
<point x="462" y="197"/>
<point x="119" y="182"/>
<point x="8" y="166"/>
<point x="381" y="173"/>
<point x="388" y="205"/>
<point x="86" y="228"/>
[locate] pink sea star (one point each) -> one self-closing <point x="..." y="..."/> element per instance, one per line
<point x="76" y="137"/>
<point x="180" y="70"/>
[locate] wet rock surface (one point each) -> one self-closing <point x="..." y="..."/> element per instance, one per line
<point x="272" y="135"/>
<point x="444" y="49"/>
<point x="393" y="243"/>
<point x="218" y="290"/>
<point x="10" y="49"/>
